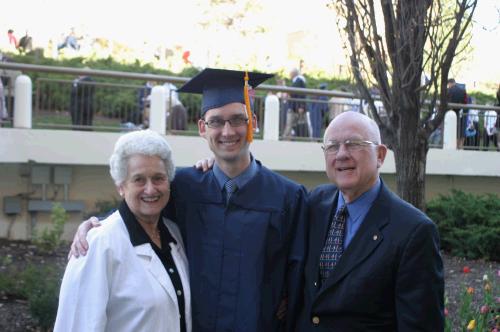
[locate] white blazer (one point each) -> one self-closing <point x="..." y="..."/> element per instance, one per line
<point x="118" y="287"/>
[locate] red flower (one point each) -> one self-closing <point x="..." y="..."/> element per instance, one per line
<point x="445" y="312"/>
<point x="484" y="309"/>
<point x="466" y="269"/>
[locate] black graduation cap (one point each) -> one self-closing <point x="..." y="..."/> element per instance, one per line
<point x="220" y="87"/>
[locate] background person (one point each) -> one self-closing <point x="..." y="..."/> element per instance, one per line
<point x="373" y="261"/>
<point x="25" y="44"/>
<point x="296" y="106"/>
<point x="82" y="101"/>
<point x="490" y="129"/>
<point x="143" y="103"/>
<point x="4" y="114"/>
<point x="457" y="94"/>
<point x="135" y="275"/>
<point x="317" y="113"/>
<point x="12" y="40"/>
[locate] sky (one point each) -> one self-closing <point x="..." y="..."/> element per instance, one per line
<point x="298" y="30"/>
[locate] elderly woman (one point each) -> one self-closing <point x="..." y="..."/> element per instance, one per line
<point x="135" y="275"/>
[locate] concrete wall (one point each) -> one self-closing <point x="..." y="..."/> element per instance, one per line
<point x="87" y="153"/>
<point x="90" y="183"/>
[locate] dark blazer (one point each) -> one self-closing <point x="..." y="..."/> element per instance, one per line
<point x="295" y="103"/>
<point x="82" y="101"/>
<point x="458" y="95"/>
<point x="390" y="277"/>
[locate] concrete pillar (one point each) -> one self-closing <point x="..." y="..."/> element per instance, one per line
<point x="450" y="131"/>
<point x="22" y="102"/>
<point x="272" y="118"/>
<point x="157" y="113"/>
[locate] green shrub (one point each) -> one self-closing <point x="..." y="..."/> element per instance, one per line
<point x="483" y="98"/>
<point x="42" y="291"/>
<point x="103" y="208"/>
<point x="39" y="286"/>
<point x="7" y="282"/>
<point x="469" y="225"/>
<point x="50" y="237"/>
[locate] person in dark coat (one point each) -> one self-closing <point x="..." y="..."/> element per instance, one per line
<point x="179" y="117"/>
<point x="318" y="110"/>
<point x="244" y="226"/>
<point x="457" y="94"/>
<point x="373" y="262"/>
<point x="82" y="102"/>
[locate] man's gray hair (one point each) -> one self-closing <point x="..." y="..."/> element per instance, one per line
<point x="143" y="142"/>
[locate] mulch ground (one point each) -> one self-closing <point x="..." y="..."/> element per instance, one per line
<point x="15" y="316"/>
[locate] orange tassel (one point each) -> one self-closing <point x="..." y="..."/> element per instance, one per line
<point x="249" y="111"/>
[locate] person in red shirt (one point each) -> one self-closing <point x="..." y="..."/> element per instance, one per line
<point x="12" y="38"/>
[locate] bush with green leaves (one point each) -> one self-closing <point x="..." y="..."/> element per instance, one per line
<point x="103" y="208"/>
<point x="39" y="286"/>
<point x="49" y="238"/>
<point x="469" y="225"/>
<point x="56" y="95"/>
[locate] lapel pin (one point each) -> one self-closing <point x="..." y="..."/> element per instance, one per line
<point x="375" y="237"/>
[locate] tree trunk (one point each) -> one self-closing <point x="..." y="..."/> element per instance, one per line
<point x="410" y="157"/>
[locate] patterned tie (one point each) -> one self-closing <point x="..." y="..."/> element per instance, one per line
<point x="231" y="188"/>
<point x="334" y="244"/>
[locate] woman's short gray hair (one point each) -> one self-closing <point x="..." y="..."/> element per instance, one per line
<point x="143" y="142"/>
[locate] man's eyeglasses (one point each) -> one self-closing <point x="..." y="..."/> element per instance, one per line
<point x="333" y="147"/>
<point x="216" y="123"/>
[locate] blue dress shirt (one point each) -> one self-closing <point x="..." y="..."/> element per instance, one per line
<point x="358" y="209"/>
<point x="241" y="179"/>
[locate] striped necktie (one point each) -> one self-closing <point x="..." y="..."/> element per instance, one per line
<point x="334" y="244"/>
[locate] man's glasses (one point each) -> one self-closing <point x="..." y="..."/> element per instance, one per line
<point x="217" y="123"/>
<point x="333" y="147"/>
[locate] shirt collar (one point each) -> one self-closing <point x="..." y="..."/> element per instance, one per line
<point x="362" y="203"/>
<point x="298" y="77"/>
<point x="137" y="234"/>
<point x="241" y="179"/>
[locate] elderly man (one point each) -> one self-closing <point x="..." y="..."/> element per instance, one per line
<point x="373" y="262"/>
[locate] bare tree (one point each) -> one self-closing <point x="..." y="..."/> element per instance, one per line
<point x="391" y="45"/>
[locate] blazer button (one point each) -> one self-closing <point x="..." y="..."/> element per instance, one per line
<point x="315" y="320"/>
<point x="315" y="284"/>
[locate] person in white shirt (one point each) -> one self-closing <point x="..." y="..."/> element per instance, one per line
<point x="135" y="274"/>
<point x="491" y="130"/>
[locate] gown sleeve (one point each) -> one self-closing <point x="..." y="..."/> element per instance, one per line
<point x="296" y="259"/>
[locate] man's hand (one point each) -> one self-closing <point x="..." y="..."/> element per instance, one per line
<point x="205" y="164"/>
<point x="80" y="245"/>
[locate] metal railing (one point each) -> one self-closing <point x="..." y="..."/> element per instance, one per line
<point x="478" y="130"/>
<point x="118" y="101"/>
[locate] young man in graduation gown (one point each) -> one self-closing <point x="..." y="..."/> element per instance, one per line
<point x="244" y="226"/>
